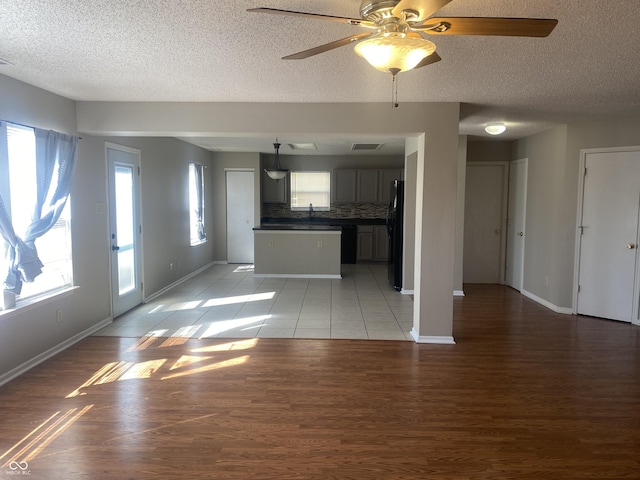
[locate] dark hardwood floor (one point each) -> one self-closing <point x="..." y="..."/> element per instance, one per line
<point x="524" y="394"/>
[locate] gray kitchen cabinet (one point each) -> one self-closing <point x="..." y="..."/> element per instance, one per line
<point x="373" y="243"/>
<point x="275" y="191"/>
<point x="344" y="186"/>
<point x="380" y="243"/>
<point x="364" y="185"/>
<point x="365" y="243"/>
<point x="387" y="176"/>
<point x="368" y="187"/>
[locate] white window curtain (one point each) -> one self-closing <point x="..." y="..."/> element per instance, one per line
<point x="55" y="161"/>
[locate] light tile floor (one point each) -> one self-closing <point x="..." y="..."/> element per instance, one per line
<point x="228" y="301"/>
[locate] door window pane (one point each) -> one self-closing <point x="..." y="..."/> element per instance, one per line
<point x="126" y="228"/>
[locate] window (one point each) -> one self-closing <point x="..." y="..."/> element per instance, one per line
<point x="310" y="188"/>
<point x="197" y="233"/>
<point x="19" y="191"/>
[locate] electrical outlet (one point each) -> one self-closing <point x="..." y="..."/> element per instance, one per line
<point x="319" y="243"/>
<point x="171" y="265"/>
<point x="59" y="315"/>
<point x="271" y="243"/>
<point x="546" y="281"/>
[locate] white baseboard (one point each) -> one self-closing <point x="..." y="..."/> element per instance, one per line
<point x="458" y="293"/>
<point x="407" y="292"/>
<point x="155" y="295"/>
<point x="442" y="340"/>
<point x="545" y="303"/>
<point x="28" y="365"/>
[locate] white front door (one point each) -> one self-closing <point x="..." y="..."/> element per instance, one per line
<point x="240" y="215"/>
<point x="484" y="216"/>
<point x="608" y="261"/>
<point x="516" y="223"/>
<point x="125" y="229"/>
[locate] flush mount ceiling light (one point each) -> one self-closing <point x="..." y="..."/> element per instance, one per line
<point x="276" y="173"/>
<point x="495" y="128"/>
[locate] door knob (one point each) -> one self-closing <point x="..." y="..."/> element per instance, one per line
<point x="520" y="234"/>
<point x="630" y="246"/>
<point x="115" y="248"/>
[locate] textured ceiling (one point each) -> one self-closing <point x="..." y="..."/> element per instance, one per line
<point x="214" y="51"/>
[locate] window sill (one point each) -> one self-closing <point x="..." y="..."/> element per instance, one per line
<point x="37" y="302"/>
<point x="198" y="243"/>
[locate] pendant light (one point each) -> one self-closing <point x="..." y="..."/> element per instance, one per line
<point x="276" y="173"/>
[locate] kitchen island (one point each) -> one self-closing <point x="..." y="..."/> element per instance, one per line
<point x="297" y="251"/>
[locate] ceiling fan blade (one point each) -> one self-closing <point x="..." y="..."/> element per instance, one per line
<point x="350" y="21"/>
<point x="516" y="27"/>
<point x="430" y="60"/>
<point x="325" y="48"/>
<point x="425" y="8"/>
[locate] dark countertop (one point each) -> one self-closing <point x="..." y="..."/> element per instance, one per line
<point x="318" y="221"/>
<point x="300" y="226"/>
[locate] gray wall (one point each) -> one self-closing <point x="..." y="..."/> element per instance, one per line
<point x="434" y="126"/>
<point x="552" y="200"/>
<point x="223" y="161"/>
<point x="29" y="336"/>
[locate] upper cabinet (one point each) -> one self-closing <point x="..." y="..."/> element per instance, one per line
<point x="368" y="187"/>
<point x="275" y="191"/>
<point x="344" y="186"/>
<point x="365" y="185"/>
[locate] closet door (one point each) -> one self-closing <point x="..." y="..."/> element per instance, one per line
<point x="608" y="260"/>
<point x="484" y="219"/>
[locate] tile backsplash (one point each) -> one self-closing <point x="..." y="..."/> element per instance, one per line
<point x="343" y="210"/>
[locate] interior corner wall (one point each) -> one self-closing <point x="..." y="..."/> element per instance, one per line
<point x="459" y="240"/>
<point x="409" y="220"/>
<point x="27" y="337"/>
<point x="221" y="162"/>
<point x="552" y="200"/>
<point x="165" y="207"/>
<point x="489" y="150"/>
<point x="545" y="255"/>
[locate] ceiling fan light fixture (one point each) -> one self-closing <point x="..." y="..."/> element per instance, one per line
<point x="495" y="128"/>
<point x="276" y="173"/>
<point x="394" y="52"/>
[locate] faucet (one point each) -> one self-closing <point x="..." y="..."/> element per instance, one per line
<point x="310" y="212"/>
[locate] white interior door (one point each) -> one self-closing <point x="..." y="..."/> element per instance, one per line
<point x="240" y="215"/>
<point x="124" y="180"/>
<point x="516" y="223"/>
<point x="484" y="215"/>
<point x="608" y="244"/>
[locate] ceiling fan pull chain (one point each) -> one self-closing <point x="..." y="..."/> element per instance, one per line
<point x="394" y="91"/>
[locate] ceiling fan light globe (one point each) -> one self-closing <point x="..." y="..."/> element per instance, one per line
<point x="394" y="52"/>
<point x="495" y="128"/>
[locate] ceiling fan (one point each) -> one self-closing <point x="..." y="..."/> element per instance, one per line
<point x="398" y="42"/>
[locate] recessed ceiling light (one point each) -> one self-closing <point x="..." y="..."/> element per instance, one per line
<point x="495" y="128"/>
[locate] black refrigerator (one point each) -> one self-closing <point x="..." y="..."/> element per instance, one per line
<point x="395" y="214"/>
